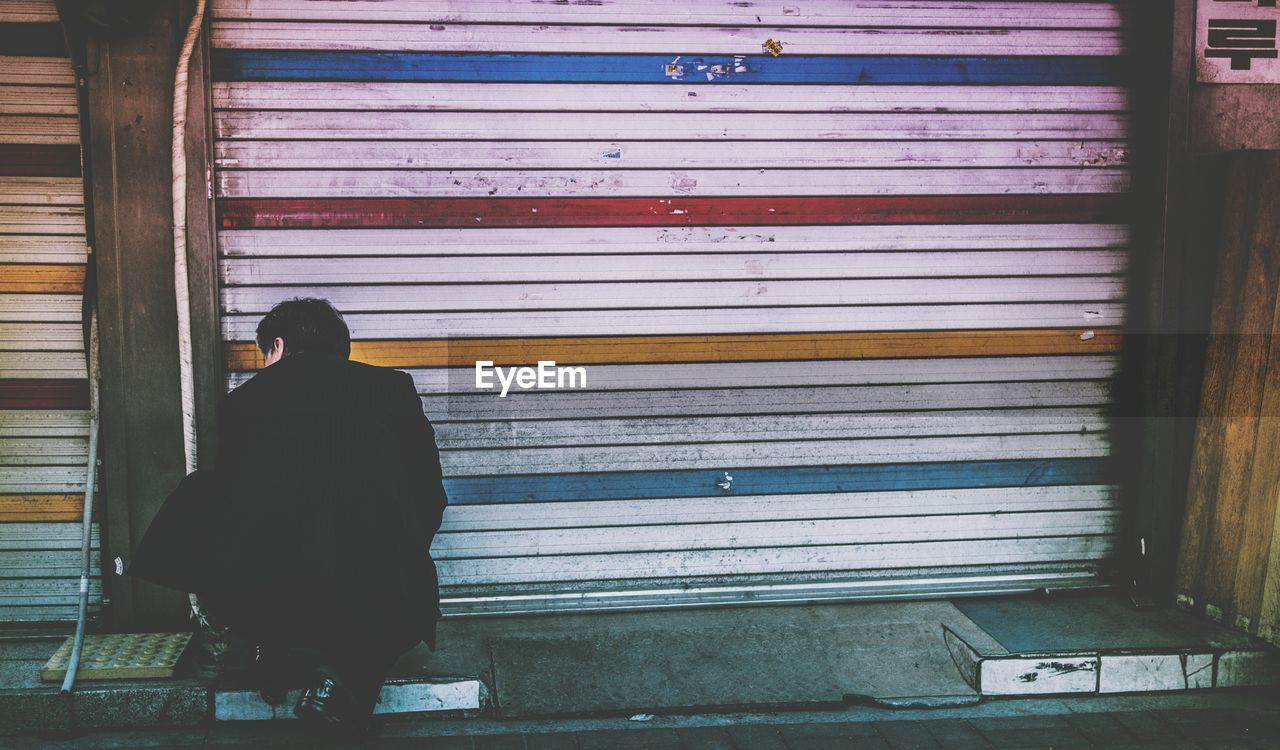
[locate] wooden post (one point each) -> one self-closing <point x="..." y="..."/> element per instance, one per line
<point x="130" y="100"/>
<point x="1229" y="567"/>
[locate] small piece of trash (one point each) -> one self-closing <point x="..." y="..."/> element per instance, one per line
<point x="642" y="717"/>
<point x="1086" y="335"/>
<point x="119" y="566"/>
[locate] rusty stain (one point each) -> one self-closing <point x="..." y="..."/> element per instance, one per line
<point x="1058" y="667"/>
<point x="673" y="69"/>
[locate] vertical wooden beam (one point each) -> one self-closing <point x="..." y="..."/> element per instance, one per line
<point x="1226" y="568"/>
<point x="1147" y="420"/>
<point x="130" y="101"/>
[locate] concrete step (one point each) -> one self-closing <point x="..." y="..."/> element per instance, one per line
<point x="425" y="695"/>
<point x="1101" y="645"/>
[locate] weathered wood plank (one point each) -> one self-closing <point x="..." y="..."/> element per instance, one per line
<point x="1231" y="504"/>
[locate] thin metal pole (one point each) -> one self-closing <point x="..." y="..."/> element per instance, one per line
<point x="183" y="297"/>
<point x="86" y="529"/>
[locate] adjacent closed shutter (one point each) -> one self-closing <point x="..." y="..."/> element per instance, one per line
<point x="44" y="424"/>
<point x="850" y="313"/>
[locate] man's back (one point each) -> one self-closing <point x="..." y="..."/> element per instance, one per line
<point x="331" y="483"/>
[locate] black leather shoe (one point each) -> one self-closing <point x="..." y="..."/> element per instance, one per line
<point x="326" y="702"/>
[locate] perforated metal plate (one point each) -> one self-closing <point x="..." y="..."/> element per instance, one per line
<point x="121" y="656"/>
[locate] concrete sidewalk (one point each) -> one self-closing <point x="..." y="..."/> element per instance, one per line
<point x="781" y="657"/>
<point x="1239" y="718"/>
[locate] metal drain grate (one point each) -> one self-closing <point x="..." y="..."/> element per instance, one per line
<point x="122" y="656"/>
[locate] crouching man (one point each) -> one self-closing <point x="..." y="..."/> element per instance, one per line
<point x="323" y="502"/>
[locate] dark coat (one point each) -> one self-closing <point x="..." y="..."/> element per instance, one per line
<point x="326" y="494"/>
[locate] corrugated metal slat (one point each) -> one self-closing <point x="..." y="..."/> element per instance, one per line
<point x="879" y="278"/>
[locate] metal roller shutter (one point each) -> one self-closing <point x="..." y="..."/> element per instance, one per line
<point x="44" y="424"/>
<point x="851" y="313"/>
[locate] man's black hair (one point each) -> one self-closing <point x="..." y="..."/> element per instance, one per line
<point x="306" y="325"/>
